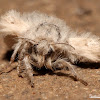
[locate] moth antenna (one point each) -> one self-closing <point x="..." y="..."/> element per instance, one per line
<point x="26" y="39"/>
<point x="63" y="44"/>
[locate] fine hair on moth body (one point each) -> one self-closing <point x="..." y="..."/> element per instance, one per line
<point x="46" y="41"/>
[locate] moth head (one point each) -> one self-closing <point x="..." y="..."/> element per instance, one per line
<point x="39" y="54"/>
<point x="44" y="47"/>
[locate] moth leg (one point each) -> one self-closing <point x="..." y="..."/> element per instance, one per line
<point x="60" y="63"/>
<point x="63" y="64"/>
<point x="29" y="70"/>
<point x="48" y="64"/>
<point x="9" y="68"/>
<point x="18" y="45"/>
<point x="20" y="67"/>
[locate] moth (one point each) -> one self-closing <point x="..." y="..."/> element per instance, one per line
<point x="46" y="41"/>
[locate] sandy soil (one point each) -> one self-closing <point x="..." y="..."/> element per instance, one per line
<point x="82" y="15"/>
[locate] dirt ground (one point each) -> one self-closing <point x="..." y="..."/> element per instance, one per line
<point x="82" y="15"/>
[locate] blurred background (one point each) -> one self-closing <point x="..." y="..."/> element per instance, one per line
<point x="81" y="15"/>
